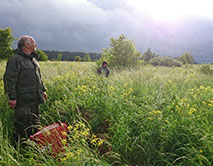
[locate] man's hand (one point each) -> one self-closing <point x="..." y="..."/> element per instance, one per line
<point x="45" y="96"/>
<point x="12" y="103"/>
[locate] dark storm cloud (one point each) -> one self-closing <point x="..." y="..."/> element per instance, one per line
<point x="56" y="24"/>
<point x="87" y="25"/>
<point x="77" y="25"/>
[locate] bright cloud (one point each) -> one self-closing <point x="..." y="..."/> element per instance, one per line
<point x="173" y="9"/>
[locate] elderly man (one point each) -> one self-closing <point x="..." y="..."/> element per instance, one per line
<point x="24" y="86"/>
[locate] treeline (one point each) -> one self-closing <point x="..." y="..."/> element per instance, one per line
<point x="154" y="59"/>
<point x="123" y="53"/>
<point x="70" y="56"/>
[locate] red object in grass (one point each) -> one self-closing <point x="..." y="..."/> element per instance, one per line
<point x="50" y="138"/>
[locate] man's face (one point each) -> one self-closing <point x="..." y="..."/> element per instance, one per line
<point x="31" y="45"/>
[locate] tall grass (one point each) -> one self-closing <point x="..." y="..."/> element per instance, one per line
<point x="144" y="116"/>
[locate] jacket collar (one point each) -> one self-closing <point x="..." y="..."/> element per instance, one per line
<point x="20" y="52"/>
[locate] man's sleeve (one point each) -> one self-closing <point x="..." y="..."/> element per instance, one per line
<point x="42" y="83"/>
<point x="11" y="77"/>
<point x="99" y="70"/>
<point x="42" y="86"/>
<point x="107" y="72"/>
<point x="38" y="73"/>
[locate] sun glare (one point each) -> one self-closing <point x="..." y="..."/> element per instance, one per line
<point x="173" y="9"/>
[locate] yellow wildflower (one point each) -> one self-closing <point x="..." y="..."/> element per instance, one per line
<point x="111" y="87"/>
<point x="1" y="84"/>
<point x="202" y="87"/>
<point x="93" y="136"/>
<point x="100" y="142"/>
<point x="210" y="105"/>
<point x="78" y="152"/>
<point x="70" y="139"/>
<point x="208" y="88"/>
<point x="77" y="126"/>
<point x="64" y="133"/>
<point x="156" y="112"/>
<point x="94" y="141"/>
<point x="70" y="127"/>
<point x="191" y="111"/>
<point x="63" y="159"/>
<point x="69" y="155"/>
<point x="130" y="90"/>
<point x="64" y="141"/>
<point x="82" y="125"/>
<point x="85" y="133"/>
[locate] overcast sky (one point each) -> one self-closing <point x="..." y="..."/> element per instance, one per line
<point x="88" y="25"/>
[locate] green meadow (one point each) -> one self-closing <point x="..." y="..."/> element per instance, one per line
<point x="146" y="116"/>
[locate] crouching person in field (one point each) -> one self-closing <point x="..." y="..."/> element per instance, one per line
<point x="103" y="69"/>
<point x="24" y="87"/>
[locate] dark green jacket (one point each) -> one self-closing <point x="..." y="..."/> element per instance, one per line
<point x="22" y="80"/>
<point x="103" y="70"/>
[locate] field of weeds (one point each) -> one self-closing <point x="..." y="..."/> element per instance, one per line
<point x="144" y="116"/>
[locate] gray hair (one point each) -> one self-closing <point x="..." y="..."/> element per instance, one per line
<point x="22" y="40"/>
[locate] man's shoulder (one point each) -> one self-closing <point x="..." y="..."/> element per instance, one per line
<point x="99" y="68"/>
<point x="18" y="54"/>
<point x="106" y="68"/>
<point x="14" y="57"/>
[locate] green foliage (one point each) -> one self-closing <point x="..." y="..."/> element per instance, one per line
<point x="41" y="55"/>
<point x="7" y="152"/>
<point x="6" y="40"/>
<point x="206" y="69"/>
<point x="86" y="58"/>
<point x="70" y="56"/>
<point x="148" y="55"/>
<point x="106" y="56"/>
<point x="78" y="59"/>
<point x="186" y="58"/>
<point x="144" y="116"/>
<point x="59" y="56"/>
<point x="165" y="61"/>
<point x="121" y="54"/>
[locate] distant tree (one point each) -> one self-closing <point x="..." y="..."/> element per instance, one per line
<point x="6" y="40"/>
<point x="206" y="69"/>
<point x="78" y="59"/>
<point x="121" y="54"/>
<point x="59" y="56"/>
<point x="186" y="58"/>
<point x="165" y="61"/>
<point x="87" y="58"/>
<point x="70" y="56"/>
<point x="148" y="55"/>
<point x="41" y="55"/>
<point x="106" y="56"/>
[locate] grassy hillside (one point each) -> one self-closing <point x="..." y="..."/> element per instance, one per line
<point x="144" y="116"/>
